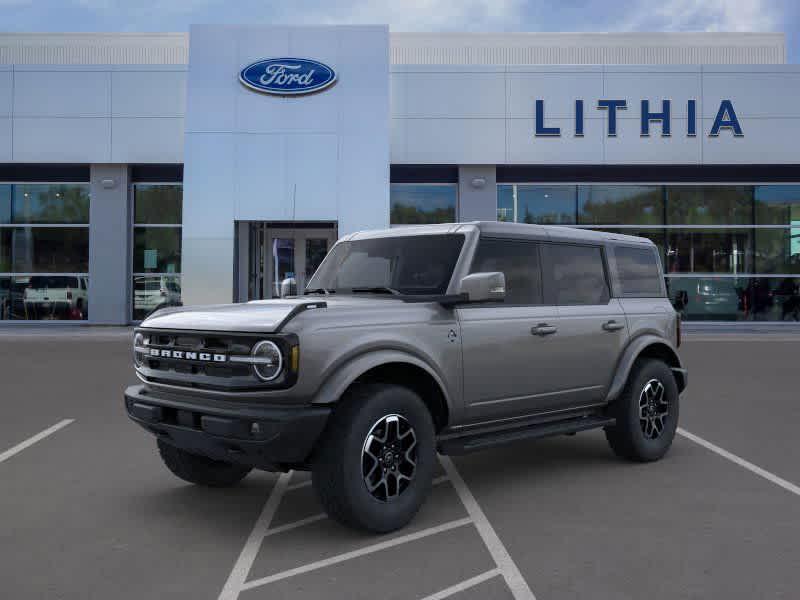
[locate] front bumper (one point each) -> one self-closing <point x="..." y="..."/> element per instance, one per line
<point x="265" y="437"/>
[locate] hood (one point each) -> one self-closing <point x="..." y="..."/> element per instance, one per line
<point x="264" y="316"/>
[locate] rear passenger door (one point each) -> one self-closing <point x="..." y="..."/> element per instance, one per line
<point x="508" y="367"/>
<point x="592" y="329"/>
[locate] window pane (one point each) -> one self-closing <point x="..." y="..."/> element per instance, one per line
<point x="420" y="264"/>
<point x="518" y="261"/>
<point x="505" y="203"/>
<point x="709" y="205"/>
<point x="45" y="203"/>
<point x="316" y="249"/>
<point x="654" y="235"/>
<point x="778" y="250"/>
<point x="713" y="299"/>
<point x="784" y="302"/>
<point x="638" y="271"/>
<point x="577" y="274"/>
<point x="44" y="298"/>
<point x="157" y="249"/>
<point x="158" y="204"/>
<point x="620" y="204"/>
<point x="546" y="204"/>
<point x="44" y="249"/>
<point x="413" y="204"/>
<point x="151" y="292"/>
<point x="777" y="205"/>
<point x="709" y="251"/>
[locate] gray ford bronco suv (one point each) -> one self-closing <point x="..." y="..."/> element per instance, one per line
<point x="449" y="338"/>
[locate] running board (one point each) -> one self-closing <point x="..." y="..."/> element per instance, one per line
<point x="479" y="441"/>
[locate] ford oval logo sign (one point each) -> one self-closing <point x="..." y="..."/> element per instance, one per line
<point x="287" y="76"/>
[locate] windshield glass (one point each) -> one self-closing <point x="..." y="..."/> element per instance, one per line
<point x="414" y="264"/>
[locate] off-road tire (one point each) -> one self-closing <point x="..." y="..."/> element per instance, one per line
<point x="200" y="469"/>
<point x="337" y="474"/>
<point x="627" y="437"/>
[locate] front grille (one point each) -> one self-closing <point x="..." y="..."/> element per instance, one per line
<point x="198" y="343"/>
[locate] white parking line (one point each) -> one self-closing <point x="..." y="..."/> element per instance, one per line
<point x="404" y="539"/>
<point x="508" y="568"/>
<point x="33" y="439"/>
<point x="298" y="486"/>
<point x="464" y="585"/>
<point x="296" y="524"/>
<point x="241" y="568"/>
<point x="771" y="477"/>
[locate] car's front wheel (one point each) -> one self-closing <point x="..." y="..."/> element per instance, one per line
<point x="646" y="413"/>
<point x="374" y="464"/>
<point x="200" y="469"/>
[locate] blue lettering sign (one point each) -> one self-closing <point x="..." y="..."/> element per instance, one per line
<point x="726" y="119"/>
<point x="541" y="130"/>
<point x="663" y="116"/>
<point x="578" y="118"/>
<point x="691" y="118"/>
<point x="612" y="106"/>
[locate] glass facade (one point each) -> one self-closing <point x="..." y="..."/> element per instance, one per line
<point x="157" y="216"/>
<point x="422" y="203"/>
<point x="730" y="252"/>
<point x="44" y="251"/>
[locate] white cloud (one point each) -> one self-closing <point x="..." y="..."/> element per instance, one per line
<point x="704" y="15"/>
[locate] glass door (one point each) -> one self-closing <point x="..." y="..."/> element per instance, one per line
<point x="283" y="259"/>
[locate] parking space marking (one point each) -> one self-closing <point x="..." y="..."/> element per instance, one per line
<point x="33" y="439"/>
<point x="771" y="477"/>
<point x="508" y="568"/>
<point x="241" y="568"/>
<point x="296" y="524"/>
<point x="298" y="486"/>
<point x="320" y="564"/>
<point x="464" y="585"/>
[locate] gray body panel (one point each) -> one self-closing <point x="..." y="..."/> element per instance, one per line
<point x="484" y="357"/>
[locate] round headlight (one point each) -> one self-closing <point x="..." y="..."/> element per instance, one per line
<point x="268" y="361"/>
<point x="138" y="342"/>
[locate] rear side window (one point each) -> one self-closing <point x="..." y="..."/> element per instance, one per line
<point x="518" y="261"/>
<point x="576" y="274"/>
<point x="639" y="274"/>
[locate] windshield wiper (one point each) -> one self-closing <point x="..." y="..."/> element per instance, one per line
<point x="320" y="290"/>
<point x="378" y="289"/>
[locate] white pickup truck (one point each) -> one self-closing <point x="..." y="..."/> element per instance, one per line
<point x="56" y="297"/>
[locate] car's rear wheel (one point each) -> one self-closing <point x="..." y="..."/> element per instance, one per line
<point x="200" y="469"/>
<point x="646" y="413"/>
<point x="374" y="464"/>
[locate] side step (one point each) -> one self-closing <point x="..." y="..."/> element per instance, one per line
<point x="479" y="441"/>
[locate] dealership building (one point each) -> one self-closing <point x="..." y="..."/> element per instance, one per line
<point x="219" y="165"/>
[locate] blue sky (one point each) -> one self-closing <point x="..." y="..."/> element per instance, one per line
<point x="413" y="15"/>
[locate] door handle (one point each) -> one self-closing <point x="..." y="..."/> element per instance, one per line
<point x="612" y="325"/>
<point x="543" y="329"/>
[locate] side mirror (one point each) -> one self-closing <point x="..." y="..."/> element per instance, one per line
<point x="484" y="287"/>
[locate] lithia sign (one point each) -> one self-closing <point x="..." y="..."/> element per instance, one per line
<point x="726" y="119"/>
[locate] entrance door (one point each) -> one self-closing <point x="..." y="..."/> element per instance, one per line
<point x="284" y="257"/>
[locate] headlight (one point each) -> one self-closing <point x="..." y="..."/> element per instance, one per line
<point x="138" y="342"/>
<point x="267" y="360"/>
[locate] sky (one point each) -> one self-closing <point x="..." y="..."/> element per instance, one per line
<point x="413" y="15"/>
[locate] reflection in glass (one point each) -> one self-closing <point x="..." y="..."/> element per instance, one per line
<point x="709" y="251"/>
<point x="778" y="250"/>
<point x="505" y="203"/>
<point x="655" y="235"/>
<point x="709" y="205"/>
<point x="157" y="249"/>
<point x="44" y="249"/>
<point x="545" y="204"/>
<point x="44" y="297"/>
<point x="620" y="205"/>
<point x="777" y="205"/>
<point x="158" y="204"/>
<point x="414" y="204"/>
<point x="284" y="278"/>
<point x="25" y="203"/>
<point x="151" y="292"/>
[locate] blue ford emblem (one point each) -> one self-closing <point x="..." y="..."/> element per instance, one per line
<point x="287" y="76"/>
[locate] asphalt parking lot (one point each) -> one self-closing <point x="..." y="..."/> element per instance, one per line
<point x="88" y="511"/>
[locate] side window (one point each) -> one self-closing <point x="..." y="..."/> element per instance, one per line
<point x="518" y="261"/>
<point x="638" y="271"/>
<point x="577" y="275"/>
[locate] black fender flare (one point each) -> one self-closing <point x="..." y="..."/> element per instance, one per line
<point x="649" y="345"/>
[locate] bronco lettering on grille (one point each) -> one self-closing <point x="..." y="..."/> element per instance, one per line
<point x="181" y="354"/>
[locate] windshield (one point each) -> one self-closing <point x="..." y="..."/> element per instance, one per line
<point x="413" y="264"/>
